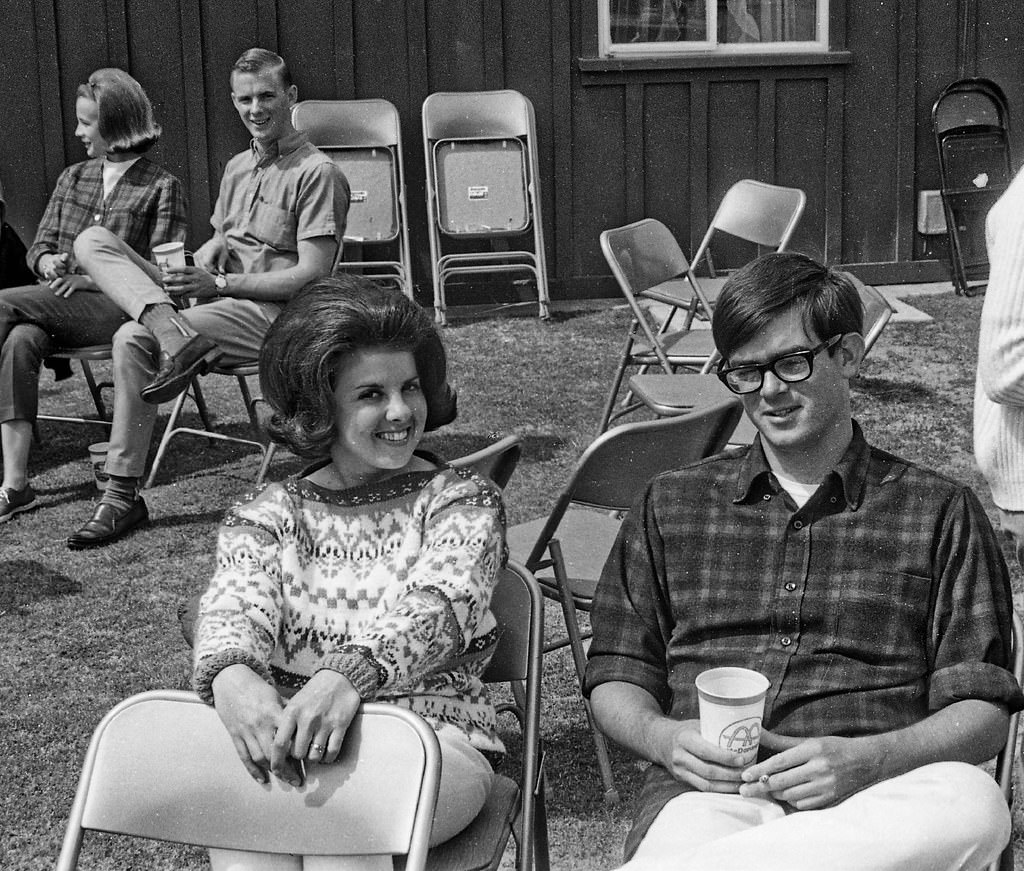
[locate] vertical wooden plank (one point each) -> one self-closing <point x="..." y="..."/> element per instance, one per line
<point x="666" y="158"/>
<point x="834" y="169"/>
<point x="117" y="34"/>
<point x="493" y="44"/>
<point x="266" y="24"/>
<point x="699" y="121"/>
<point x="766" y="121"/>
<point x="563" y="80"/>
<point x="633" y="139"/>
<point x="344" y="50"/>
<point x="801" y="145"/>
<point x="53" y="121"/>
<point x="202" y="184"/>
<point x="906" y="99"/>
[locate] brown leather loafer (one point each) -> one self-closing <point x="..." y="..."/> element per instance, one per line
<point x="108" y="524"/>
<point x="177" y="371"/>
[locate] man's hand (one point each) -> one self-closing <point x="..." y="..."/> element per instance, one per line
<point x="812" y="773"/>
<point x="700" y="763"/>
<point x="315" y="720"/>
<point x="250" y="708"/>
<point x="212" y="255"/>
<point x="190" y="281"/>
<point x="65" y="285"/>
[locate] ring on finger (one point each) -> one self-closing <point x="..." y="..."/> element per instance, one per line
<point x="763" y="780"/>
<point x="317" y="749"/>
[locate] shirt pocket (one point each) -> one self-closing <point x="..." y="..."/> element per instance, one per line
<point x="273" y="225"/>
<point x="881" y="621"/>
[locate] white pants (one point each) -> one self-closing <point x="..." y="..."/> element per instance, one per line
<point x="465" y="784"/>
<point x="943" y="816"/>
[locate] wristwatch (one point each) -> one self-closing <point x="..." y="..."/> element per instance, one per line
<point x="222" y="283"/>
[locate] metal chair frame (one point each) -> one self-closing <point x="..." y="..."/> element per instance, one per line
<point x="571" y="544"/>
<point x="503" y="120"/>
<point x="85" y="356"/>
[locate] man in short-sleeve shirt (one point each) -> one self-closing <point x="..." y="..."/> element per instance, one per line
<point x="871" y="592"/>
<point x="278" y="223"/>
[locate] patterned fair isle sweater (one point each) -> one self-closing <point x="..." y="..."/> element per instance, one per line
<point x="389" y="584"/>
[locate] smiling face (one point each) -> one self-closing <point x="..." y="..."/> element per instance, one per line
<point x="379" y="413"/>
<point x="88" y="130"/>
<point x="805" y="427"/>
<point x="264" y="104"/>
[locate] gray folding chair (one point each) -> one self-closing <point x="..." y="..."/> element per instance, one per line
<point x="567" y="549"/>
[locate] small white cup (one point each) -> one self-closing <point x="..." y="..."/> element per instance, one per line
<point x="731" y="702"/>
<point x="169" y="255"/>
<point x="98" y="459"/>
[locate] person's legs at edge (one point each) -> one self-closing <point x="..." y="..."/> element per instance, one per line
<point x="134" y="285"/>
<point x="1012" y="523"/>
<point x="465" y="784"/>
<point x="33" y="321"/>
<point x="943" y="816"/>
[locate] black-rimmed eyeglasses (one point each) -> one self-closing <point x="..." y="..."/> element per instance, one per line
<point x="791" y="368"/>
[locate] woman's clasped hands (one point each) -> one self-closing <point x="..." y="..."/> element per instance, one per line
<point x="274" y="735"/>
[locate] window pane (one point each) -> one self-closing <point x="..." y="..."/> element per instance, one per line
<point x="766" y="21"/>
<point x="658" y="20"/>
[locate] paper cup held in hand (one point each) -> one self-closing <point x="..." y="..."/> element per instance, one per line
<point x="169" y="256"/>
<point x="731" y="704"/>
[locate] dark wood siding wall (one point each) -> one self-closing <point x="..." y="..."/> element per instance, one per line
<point x="617" y="141"/>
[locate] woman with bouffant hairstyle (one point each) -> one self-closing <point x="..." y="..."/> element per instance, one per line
<point x="125" y="114"/>
<point x="367" y="577"/>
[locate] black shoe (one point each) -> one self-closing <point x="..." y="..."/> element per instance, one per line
<point x="108" y="524"/>
<point x="177" y="371"/>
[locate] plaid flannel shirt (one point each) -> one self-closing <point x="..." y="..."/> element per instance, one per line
<point x="146" y="207"/>
<point x="884" y="598"/>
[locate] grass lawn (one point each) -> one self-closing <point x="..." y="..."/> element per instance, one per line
<point x="81" y="630"/>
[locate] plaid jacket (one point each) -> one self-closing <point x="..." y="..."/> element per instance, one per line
<point x="146" y="207"/>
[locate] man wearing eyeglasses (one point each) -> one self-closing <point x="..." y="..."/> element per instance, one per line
<point x="871" y="593"/>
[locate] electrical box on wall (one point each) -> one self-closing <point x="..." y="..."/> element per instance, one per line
<point x="931" y="220"/>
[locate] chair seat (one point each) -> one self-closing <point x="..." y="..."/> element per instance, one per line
<point x="586" y="537"/>
<point x="669" y="395"/>
<point x="682" y="346"/>
<point x="678" y="292"/>
<point x="481" y="844"/>
<point x="87" y="352"/>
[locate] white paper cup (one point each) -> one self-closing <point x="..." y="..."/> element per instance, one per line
<point x="98" y="459"/>
<point x="731" y="704"/>
<point x="169" y="255"/>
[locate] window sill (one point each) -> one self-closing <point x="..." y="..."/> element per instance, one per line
<point x="711" y="61"/>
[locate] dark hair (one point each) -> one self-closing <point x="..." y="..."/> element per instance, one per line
<point x="256" y="60"/>
<point x="764" y="288"/>
<point x="125" y="113"/>
<point x="308" y="342"/>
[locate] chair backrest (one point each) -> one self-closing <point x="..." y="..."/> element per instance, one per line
<point x="476" y="115"/>
<point x="618" y="464"/>
<point x="642" y="255"/>
<point x="765" y="214"/>
<point x="364" y="138"/>
<point x="497" y="461"/>
<point x="518" y="608"/>
<point x="970" y="103"/>
<point x="877" y="311"/>
<point x="161" y="765"/>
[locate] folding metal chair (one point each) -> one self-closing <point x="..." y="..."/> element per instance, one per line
<point x="258" y="440"/>
<point x="568" y="549"/>
<point x="85" y="356"/>
<point x="643" y="255"/>
<point x="971" y="124"/>
<point x="364" y="138"/>
<point x="754" y="211"/>
<point x="161" y="765"/>
<point x="482" y="183"/>
<point x="512" y="808"/>
<point x="496" y="462"/>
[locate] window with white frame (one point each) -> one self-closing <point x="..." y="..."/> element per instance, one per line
<point x="656" y="27"/>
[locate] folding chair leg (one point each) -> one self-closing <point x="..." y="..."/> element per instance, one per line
<point x="169" y="430"/>
<point x="541" y="845"/>
<point x="95" y="390"/>
<point x="611" y="794"/>
<point x="609" y="406"/>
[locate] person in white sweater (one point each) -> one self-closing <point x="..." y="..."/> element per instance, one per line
<point x="367" y="577"/>
<point x="999" y="390"/>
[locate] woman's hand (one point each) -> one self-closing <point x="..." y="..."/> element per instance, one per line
<point x="250" y="709"/>
<point x="315" y="720"/>
<point x="65" y="285"/>
<point x="52" y="266"/>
